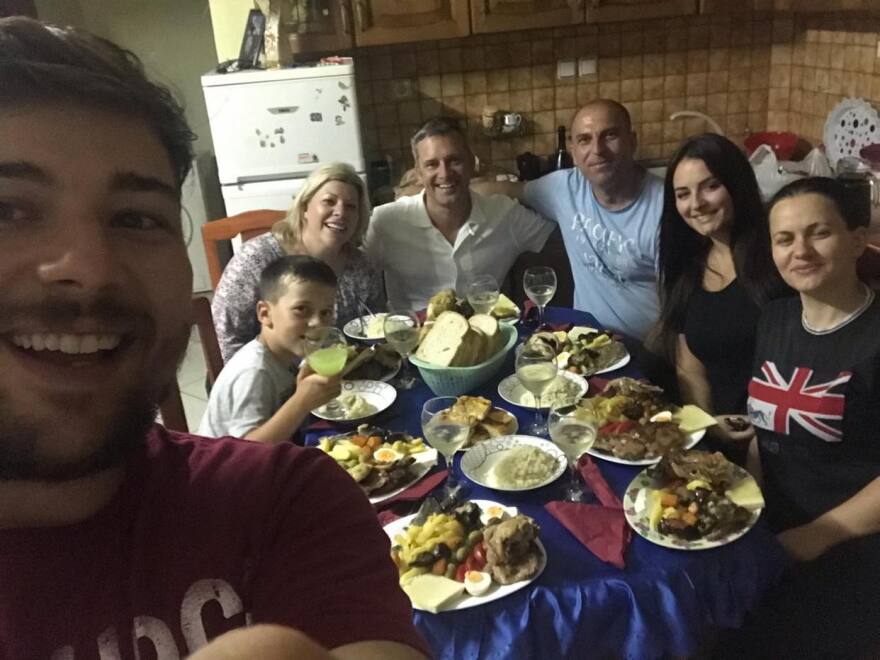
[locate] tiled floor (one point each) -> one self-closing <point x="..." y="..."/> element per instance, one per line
<point x="191" y="380"/>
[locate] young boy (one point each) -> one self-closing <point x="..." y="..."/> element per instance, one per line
<point x="254" y="396"/>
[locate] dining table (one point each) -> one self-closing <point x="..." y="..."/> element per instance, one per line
<point x="664" y="603"/>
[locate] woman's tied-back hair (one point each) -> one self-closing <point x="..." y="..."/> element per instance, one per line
<point x="846" y="203"/>
<point x="43" y="64"/>
<point x="278" y="275"/>
<point x="289" y="231"/>
<point x="683" y="251"/>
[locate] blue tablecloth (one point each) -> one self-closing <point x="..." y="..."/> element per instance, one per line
<point x="665" y="602"/>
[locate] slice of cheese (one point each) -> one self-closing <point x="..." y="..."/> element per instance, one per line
<point x="746" y="494"/>
<point x="691" y="418"/>
<point x="504" y="308"/>
<point x="432" y="592"/>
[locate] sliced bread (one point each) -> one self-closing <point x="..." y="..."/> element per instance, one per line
<point x="490" y="331"/>
<point x="447" y="343"/>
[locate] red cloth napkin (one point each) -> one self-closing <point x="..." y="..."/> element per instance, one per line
<point x="386" y="517"/>
<point x="418" y="490"/>
<point x="320" y="425"/>
<point x="602" y="529"/>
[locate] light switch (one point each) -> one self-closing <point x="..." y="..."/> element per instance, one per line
<point x="587" y="66"/>
<point x="565" y="69"/>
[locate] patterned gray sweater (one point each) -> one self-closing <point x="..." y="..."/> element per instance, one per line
<point x="234" y="305"/>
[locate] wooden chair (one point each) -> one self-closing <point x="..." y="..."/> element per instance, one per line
<point x="173" y="413"/>
<point x="247" y="225"/>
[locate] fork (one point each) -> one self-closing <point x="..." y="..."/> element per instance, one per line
<point x="362" y="306"/>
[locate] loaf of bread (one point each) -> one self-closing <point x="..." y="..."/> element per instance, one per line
<point x="490" y="335"/>
<point x="454" y="341"/>
<point x="449" y="342"/>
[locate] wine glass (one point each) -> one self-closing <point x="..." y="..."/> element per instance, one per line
<point x="326" y="352"/>
<point x="482" y="294"/>
<point x="444" y="433"/>
<point x="574" y="434"/>
<point x="539" y="283"/>
<point x="536" y="369"/>
<point x="402" y="334"/>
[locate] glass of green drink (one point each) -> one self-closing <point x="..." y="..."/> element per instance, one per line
<point x="326" y="352"/>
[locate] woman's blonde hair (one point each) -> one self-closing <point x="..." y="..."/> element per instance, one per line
<point x="289" y="230"/>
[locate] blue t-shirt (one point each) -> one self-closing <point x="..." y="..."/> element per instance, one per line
<point x="613" y="254"/>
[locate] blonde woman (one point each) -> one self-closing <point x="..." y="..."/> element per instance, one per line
<point x="327" y="221"/>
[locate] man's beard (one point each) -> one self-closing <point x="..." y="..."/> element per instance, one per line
<point x="123" y="435"/>
<point x="23" y="446"/>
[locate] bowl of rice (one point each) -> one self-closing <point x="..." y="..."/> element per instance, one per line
<point x="514" y="463"/>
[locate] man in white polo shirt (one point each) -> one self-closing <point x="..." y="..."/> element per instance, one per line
<point x="447" y="235"/>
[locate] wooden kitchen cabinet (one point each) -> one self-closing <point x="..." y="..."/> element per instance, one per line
<point x="506" y="15"/>
<point x="314" y="26"/>
<point x="606" y="11"/>
<point x="729" y="7"/>
<point x="824" y="6"/>
<point x="397" y="21"/>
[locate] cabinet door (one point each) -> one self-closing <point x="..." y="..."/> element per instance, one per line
<point x="604" y="11"/>
<point x="826" y="5"/>
<point x="728" y="7"/>
<point x="505" y="15"/>
<point x="317" y="25"/>
<point x="398" y="21"/>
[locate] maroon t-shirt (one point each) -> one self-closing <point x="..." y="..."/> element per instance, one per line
<point x="203" y="537"/>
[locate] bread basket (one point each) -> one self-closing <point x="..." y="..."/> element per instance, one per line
<point x="453" y="381"/>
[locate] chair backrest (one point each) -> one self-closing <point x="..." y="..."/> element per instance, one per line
<point x="247" y="225"/>
<point x="172" y="410"/>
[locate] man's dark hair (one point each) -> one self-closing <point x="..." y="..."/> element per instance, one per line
<point x="44" y="64"/>
<point x="848" y="204"/>
<point x="276" y="277"/>
<point x="433" y="128"/>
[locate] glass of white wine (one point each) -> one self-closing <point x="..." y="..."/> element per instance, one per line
<point x="444" y="433"/>
<point x="536" y="369"/>
<point x="482" y="294"/>
<point x="326" y="352"/>
<point x="402" y="334"/>
<point x="574" y="434"/>
<point x="539" y="283"/>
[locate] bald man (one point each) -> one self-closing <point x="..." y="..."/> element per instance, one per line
<point x="608" y="209"/>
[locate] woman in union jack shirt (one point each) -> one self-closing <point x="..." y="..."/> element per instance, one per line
<point x="814" y="400"/>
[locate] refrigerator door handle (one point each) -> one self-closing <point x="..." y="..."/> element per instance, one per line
<point x="283" y="110"/>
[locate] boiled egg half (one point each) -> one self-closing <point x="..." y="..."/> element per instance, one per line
<point x="386" y="455"/>
<point x="496" y="511"/>
<point x="476" y="583"/>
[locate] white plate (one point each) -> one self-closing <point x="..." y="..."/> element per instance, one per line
<point x="354" y="329"/>
<point x="512" y="391"/>
<point x="380" y="395"/>
<point x="479" y="462"/>
<point x="640" y="524"/>
<point x="579" y="330"/>
<point x="496" y="591"/>
<point x="425" y="460"/>
<point x="690" y="441"/>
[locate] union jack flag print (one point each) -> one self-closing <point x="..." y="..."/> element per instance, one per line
<point x="774" y="402"/>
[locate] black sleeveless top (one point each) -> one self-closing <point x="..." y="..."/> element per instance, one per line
<point x="720" y="327"/>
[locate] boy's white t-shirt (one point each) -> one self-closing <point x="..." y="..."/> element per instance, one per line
<point x="250" y="389"/>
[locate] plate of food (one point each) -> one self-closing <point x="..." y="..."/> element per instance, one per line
<point x="514" y="463"/>
<point x="566" y="389"/>
<point x="384" y="463"/>
<point x="370" y="327"/>
<point x="376" y="362"/>
<point x="471" y="555"/>
<point x="693" y="500"/>
<point x="360" y="399"/>
<point x="505" y="310"/>
<point x="585" y="351"/>
<point x="486" y="420"/>
<point x="637" y="425"/>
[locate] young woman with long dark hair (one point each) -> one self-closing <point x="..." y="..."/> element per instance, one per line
<point x="715" y="273"/>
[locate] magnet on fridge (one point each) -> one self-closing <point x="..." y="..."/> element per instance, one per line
<point x="316" y="116"/>
<point x="305" y="158"/>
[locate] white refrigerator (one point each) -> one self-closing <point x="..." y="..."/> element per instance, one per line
<point x="272" y="128"/>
